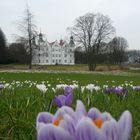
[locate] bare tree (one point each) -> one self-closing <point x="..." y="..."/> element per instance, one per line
<point x="28" y="29"/>
<point x="133" y="56"/>
<point x="117" y="50"/>
<point x="91" y="31"/>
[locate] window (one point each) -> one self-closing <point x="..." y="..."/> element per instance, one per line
<point x="59" y="61"/>
<point x="65" y="55"/>
<point x="65" y="61"/>
<point x="53" y="61"/>
<point x="46" y="61"/>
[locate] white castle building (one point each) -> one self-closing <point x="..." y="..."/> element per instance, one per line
<point x="45" y="53"/>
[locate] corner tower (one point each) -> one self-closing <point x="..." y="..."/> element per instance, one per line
<point x="71" y="43"/>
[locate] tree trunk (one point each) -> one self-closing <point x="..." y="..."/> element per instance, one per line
<point x="30" y="61"/>
<point x="91" y="60"/>
<point x="92" y="66"/>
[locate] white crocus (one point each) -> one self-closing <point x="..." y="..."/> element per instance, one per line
<point x="42" y="87"/>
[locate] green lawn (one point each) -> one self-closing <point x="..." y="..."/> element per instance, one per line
<point x="76" y="67"/>
<point x="20" y="104"/>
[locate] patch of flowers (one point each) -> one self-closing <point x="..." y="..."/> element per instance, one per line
<point x="65" y="99"/>
<point x="120" y="91"/>
<point x="44" y="86"/>
<point x="79" y="124"/>
<point x="67" y="124"/>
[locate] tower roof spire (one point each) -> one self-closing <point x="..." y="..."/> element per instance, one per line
<point x="72" y="44"/>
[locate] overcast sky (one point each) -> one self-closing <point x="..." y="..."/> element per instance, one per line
<point x="54" y="16"/>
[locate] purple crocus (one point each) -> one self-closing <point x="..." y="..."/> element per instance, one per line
<point x="109" y="90"/>
<point x="1" y="86"/>
<point x="121" y="91"/>
<point x="62" y="100"/>
<point x="118" y="90"/>
<point x="136" y="88"/>
<point x="68" y="90"/>
<point x="67" y="124"/>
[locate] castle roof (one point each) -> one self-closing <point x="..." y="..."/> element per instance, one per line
<point x="51" y="43"/>
<point x="61" y="43"/>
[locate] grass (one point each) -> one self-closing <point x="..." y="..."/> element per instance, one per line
<point x="77" y="67"/>
<point x="19" y="106"/>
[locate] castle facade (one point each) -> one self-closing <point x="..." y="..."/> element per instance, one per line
<point x="46" y="53"/>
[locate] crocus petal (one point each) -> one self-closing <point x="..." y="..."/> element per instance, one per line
<point x="69" y="99"/>
<point x="39" y="125"/>
<point x="43" y="118"/>
<point x="94" y="113"/>
<point x="51" y="132"/>
<point x="68" y="125"/>
<point x="60" y="100"/>
<point x="80" y="109"/>
<point x="110" y="130"/>
<point x="63" y="111"/>
<point x="67" y="90"/>
<point x="125" y="126"/>
<point x="106" y="116"/>
<point x="57" y="101"/>
<point x="86" y="130"/>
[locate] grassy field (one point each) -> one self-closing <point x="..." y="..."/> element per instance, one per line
<point x="22" y="101"/>
<point x="77" y="67"/>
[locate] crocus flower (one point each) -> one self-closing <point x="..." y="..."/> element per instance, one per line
<point x="136" y="88"/>
<point x="62" y="100"/>
<point x="6" y="85"/>
<point x="67" y="124"/>
<point x="92" y="87"/>
<point x="74" y="86"/>
<point x="60" y="86"/>
<point x="109" y="90"/>
<point x="68" y="90"/>
<point x="42" y="87"/>
<point x="1" y="86"/>
<point x="120" y="91"/>
<point x="82" y="89"/>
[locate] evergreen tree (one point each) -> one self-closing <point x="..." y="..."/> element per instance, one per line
<point x="2" y="47"/>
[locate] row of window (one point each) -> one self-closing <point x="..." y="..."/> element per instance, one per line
<point x="55" y="61"/>
<point x="57" y="55"/>
<point x="55" y="50"/>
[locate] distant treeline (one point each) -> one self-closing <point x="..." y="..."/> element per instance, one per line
<point x="113" y="52"/>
